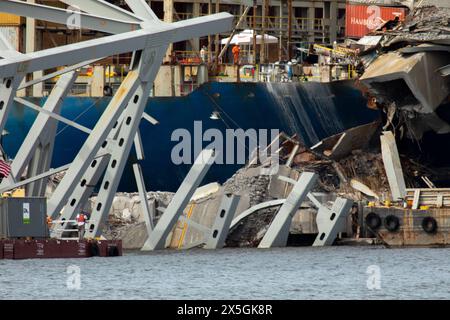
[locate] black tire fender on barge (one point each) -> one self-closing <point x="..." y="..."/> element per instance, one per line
<point x="373" y="220"/>
<point x="429" y="225"/>
<point x="95" y="250"/>
<point x="392" y="223"/>
<point x="113" y="251"/>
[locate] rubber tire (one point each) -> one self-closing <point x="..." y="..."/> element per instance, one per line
<point x="392" y="223"/>
<point x="113" y="251"/>
<point x="373" y="221"/>
<point x="95" y="250"/>
<point x="429" y="225"/>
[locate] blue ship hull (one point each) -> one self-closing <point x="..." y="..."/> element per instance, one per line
<point x="311" y="110"/>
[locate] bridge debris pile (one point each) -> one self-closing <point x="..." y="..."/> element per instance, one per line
<point x="426" y="24"/>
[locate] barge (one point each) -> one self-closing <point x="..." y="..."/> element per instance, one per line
<point x="424" y="221"/>
<point x="53" y="249"/>
<point x="25" y="234"/>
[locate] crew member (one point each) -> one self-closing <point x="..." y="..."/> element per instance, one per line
<point x="81" y="222"/>
<point x="236" y="50"/>
<point x="289" y="70"/>
<point x="203" y="54"/>
<point x="49" y="222"/>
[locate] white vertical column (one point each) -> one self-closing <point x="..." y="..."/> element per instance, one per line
<point x="333" y="21"/>
<point x="30" y="46"/>
<point x="278" y="231"/>
<point x="196" y="13"/>
<point x="157" y="239"/>
<point x="168" y="18"/>
<point x="392" y="165"/>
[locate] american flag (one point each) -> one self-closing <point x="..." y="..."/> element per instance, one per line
<point x="5" y="168"/>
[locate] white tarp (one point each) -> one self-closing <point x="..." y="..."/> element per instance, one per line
<point x="246" y="38"/>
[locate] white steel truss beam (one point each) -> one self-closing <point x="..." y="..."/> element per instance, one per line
<point x="93" y="143"/>
<point x="62" y="16"/>
<point x="56" y="74"/>
<point x="150" y="61"/>
<point x="108" y="145"/>
<point x="155" y="37"/>
<point x="92" y="175"/>
<point x="150" y="119"/>
<point x="49" y="173"/>
<point x="157" y="239"/>
<point x="330" y="221"/>
<point x="8" y="87"/>
<point x="221" y="227"/>
<point x="33" y="179"/>
<point x="141" y="9"/>
<point x="278" y="231"/>
<point x="139" y="146"/>
<point x="105" y="8"/>
<point x="42" y="131"/>
<point x="53" y="115"/>
<point x="148" y="217"/>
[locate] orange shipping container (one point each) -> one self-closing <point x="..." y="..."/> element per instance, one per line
<point x="362" y="19"/>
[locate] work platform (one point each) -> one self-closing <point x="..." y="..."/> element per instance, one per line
<point x="53" y="249"/>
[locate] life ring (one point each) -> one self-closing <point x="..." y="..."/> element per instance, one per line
<point x="113" y="251"/>
<point x="429" y="225"/>
<point x="95" y="250"/>
<point x="392" y="223"/>
<point x="373" y="221"/>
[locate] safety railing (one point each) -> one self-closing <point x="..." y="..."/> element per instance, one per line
<point x="187" y="87"/>
<point x="187" y="57"/>
<point x="76" y="90"/>
<point x="60" y="227"/>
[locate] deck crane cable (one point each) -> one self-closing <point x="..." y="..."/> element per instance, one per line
<point x="79" y="116"/>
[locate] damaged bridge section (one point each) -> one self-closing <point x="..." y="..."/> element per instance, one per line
<point x="410" y="73"/>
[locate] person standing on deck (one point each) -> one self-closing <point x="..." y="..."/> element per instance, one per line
<point x="81" y="222"/>
<point x="203" y="54"/>
<point x="236" y="50"/>
<point x="290" y="70"/>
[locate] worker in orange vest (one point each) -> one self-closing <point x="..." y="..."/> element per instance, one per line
<point x="236" y="50"/>
<point x="49" y="222"/>
<point x="81" y="222"/>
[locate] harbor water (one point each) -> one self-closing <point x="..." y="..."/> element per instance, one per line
<point x="287" y="273"/>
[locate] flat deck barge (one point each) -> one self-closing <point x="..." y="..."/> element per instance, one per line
<point x="54" y="248"/>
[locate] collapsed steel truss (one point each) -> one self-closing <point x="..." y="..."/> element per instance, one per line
<point x="106" y="150"/>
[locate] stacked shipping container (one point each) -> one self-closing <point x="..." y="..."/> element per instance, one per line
<point x="361" y="19"/>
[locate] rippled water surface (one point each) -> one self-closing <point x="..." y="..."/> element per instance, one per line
<point x="288" y="273"/>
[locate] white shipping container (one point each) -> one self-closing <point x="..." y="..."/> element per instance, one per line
<point x="12" y="35"/>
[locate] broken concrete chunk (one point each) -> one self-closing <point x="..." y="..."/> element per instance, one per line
<point x="393" y="166"/>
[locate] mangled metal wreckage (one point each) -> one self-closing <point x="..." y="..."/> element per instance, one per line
<point x="407" y="72"/>
<point x="102" y="157"/>
<point x="407" y="76"/>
